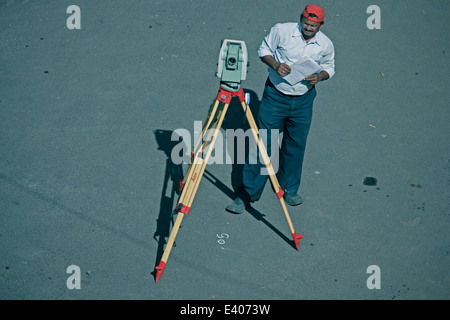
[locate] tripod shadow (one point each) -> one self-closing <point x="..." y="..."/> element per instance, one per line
<point x="169" y="192"/>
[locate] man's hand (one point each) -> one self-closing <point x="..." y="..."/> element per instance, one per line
<point x="282" y="69"/>
<point x="313" y="79"/>
<point x="317" y="77"/>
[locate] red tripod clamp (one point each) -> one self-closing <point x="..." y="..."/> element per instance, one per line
<point x="225" y="96"/>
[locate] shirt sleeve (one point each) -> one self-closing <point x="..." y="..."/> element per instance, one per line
<point x="327" y="61"/>
<point x="270" y="42"/>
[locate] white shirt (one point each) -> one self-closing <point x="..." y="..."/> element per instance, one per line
<point x="286" y="44"/>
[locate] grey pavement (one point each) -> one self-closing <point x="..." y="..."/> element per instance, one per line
<point x="86" y="118"/>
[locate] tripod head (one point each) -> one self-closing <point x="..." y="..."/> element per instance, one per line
<point x="232" y="66"/>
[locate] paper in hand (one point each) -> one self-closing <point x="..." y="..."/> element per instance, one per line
<point x="301" y="69"/>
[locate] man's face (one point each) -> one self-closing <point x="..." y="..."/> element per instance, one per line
<point x="309" y="28"/>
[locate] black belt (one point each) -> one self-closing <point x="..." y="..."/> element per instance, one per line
<point x="270" y="84"/>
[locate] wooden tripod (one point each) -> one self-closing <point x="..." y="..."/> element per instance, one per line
<point x="201" y="154"/>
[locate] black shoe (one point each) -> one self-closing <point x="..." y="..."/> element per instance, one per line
<point x="237" y="206"/>
<point x="293" y="199"/>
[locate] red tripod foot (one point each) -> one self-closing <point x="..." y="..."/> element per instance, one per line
<point x="160" y="270"/>
<point x="297" y="238"/>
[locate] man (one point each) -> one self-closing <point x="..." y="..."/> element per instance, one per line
<point x="286" y="107"/>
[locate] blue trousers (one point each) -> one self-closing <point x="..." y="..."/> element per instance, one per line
<point x="291" y="115"/>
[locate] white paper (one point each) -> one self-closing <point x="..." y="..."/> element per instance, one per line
<point x="301" y="69"/>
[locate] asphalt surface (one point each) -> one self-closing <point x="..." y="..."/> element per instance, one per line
<point x="86" y="177"/>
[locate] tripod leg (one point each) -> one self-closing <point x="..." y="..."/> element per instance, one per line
<point x="182" y="209"/>
<point x="209" y="146"/>
<point x="190" y="190"/>
<point x="206" y="125"/>
<point x="273" y="178"/>
<point x="195" y="167"/>
<point x="169" y="245"/>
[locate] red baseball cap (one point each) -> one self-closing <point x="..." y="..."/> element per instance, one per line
<point x="316" y="10"/>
